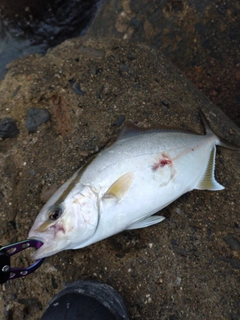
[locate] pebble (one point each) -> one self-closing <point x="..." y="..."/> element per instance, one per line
<point x="233" y="262"/>
<point x="120" y="121"/>
<point x="124" y="67"/>
<point x="8" y="128"/>
<point x="36" y="117"/>
<point x="1" y="197"/>
<point x="75" y="86"/>
<point x="32" y="172"/>
<point x="165" y="103"/>
<point x="180" y="251"/>
<point x="15" y="92"/>
<point x="232" y="242"/>
<point x="99" y="71"/>
<point x="131" y="56"/>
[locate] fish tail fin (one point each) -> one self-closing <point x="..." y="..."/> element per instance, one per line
<point x="208" y="181"/>
<point x="220" y="141"/>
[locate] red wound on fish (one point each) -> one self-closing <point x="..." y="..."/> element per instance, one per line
<point x="57" y="228"/>
<point x="161" y="163"/>
<point x="60" y="228"/>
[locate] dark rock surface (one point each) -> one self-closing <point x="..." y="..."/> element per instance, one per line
<point x="28" y="27"/>
<point x="201" y="38"/>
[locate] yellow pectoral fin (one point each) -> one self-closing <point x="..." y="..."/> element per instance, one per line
<point x="119" y="188"/>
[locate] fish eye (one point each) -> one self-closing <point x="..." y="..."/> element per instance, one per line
<point x="55" y="213"/>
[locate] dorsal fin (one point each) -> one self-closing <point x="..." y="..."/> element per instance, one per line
<point x="130" y="130"/>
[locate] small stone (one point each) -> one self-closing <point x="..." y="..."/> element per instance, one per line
<point x="15" y="92"/>
<point x="54" y="283"/>
<point x="1" y="197"/>
<point x="131" y="56"/>
<point x="232" y="242"/>
<point x="99" y="71"/>
<point x="233" y="262"/>
<point x="174" y="242"/>
<point x="75" y="86"/>
<point x="173" y="317"/>
<point x="36" y="117"/>
<point x="124" y="67"/>
<point x="165" y="103"/>
<point x="8" y="128"/>
<point x="120" y="121"/>
<point x="32" y="172"/>
<point x="178" y="210"/>
<point x="181" y="251"/>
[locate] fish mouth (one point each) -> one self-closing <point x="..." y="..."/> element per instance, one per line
<point x="48" y="248"/>
<point x="45" y="250"/>
<point x="40" y="252"/>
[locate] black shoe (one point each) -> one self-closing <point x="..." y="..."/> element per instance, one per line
<point x="86" y="300"/>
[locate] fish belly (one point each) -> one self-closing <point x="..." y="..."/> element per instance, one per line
<point x="159" y="177"/>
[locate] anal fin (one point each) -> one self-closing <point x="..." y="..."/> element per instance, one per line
<point x="149" y="221"/>
<point x="208" y="181"/>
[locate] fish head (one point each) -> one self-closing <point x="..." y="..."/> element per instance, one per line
<point x="64" y="225"/>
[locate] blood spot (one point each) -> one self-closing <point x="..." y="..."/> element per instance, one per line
<point x="161" y="163"/>
<point x="57" y="228"/>
<point x="60" y="228"/>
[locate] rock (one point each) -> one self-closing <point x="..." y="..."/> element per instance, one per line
<point x="233" y="262"/>
<point x="165" y="103"/>
<point x="1" y="197"/>
<point x="8" y="128"/>
<point x="42" y="24"/>
<point x="75" y="86"/>
<point x="36" y="117"/>
<point x="32" y="172"/>
<point x="181" y="251"/>
<point x="232" y="242"/>
<point x="179" y="29"/>
<point x="120" y="121"/>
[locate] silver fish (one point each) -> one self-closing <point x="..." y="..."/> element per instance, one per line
<point x="121" y="189"/>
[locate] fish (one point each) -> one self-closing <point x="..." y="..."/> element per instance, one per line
<point x="126" y="184"/>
